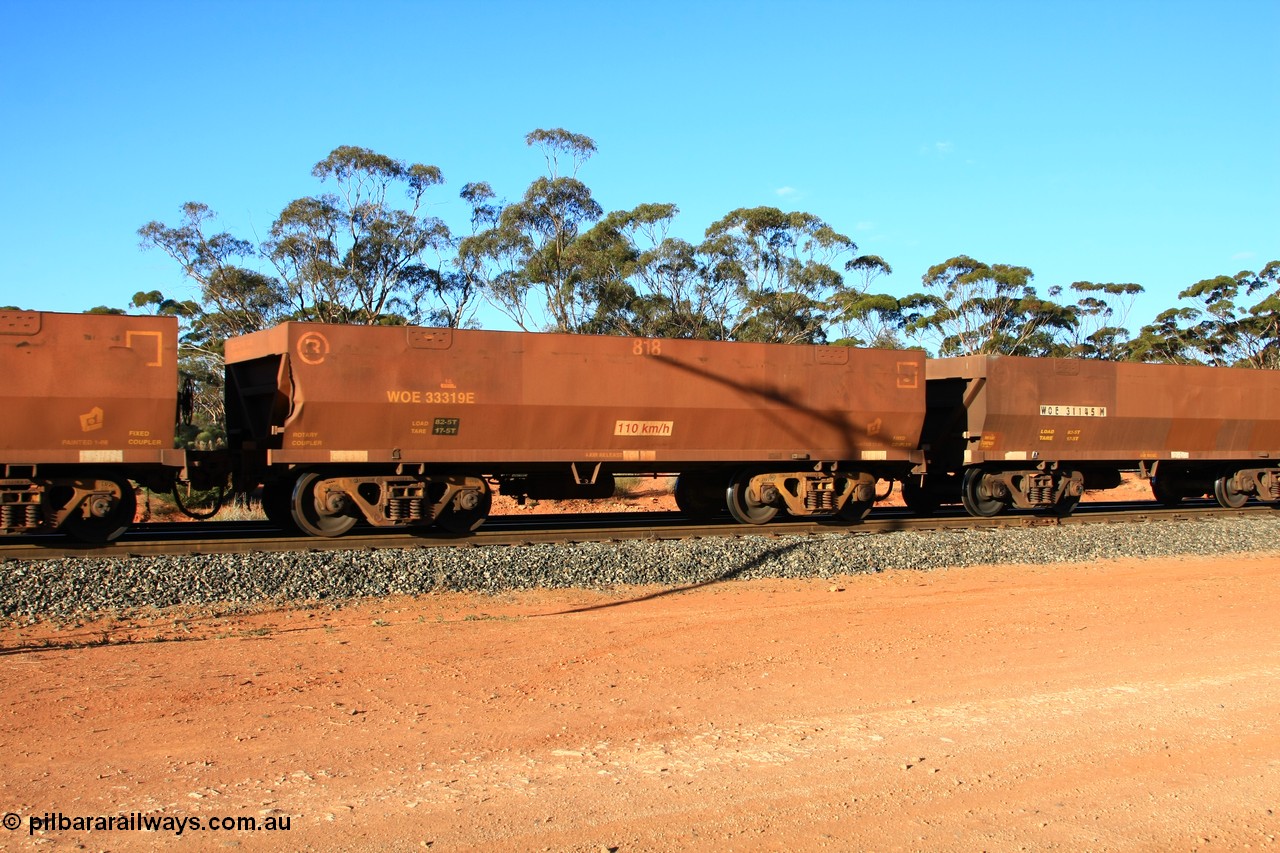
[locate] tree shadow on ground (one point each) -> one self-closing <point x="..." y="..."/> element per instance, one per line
<point x="730" y="574"/>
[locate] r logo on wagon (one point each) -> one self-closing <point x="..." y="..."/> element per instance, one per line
<point x="313" y="347"/>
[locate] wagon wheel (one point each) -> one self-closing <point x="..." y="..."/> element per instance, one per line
<point x="854" y="510"/>
<point x="317" y="514"/>
<point x="466" y="519"/>
<point x="743" y="508"/>
<point x="918" y="499"/>
<point x="108" y="516"/>
<point x="1165" y="491"/>
<point x="277" y="504"/>
<point x="976" y="498"/>
<point x="1228" y="496"/>
<point x="1065" y="506"/>
<point x="700" y="497"/>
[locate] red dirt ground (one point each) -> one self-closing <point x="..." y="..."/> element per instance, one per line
<point x="1120" y="706"/>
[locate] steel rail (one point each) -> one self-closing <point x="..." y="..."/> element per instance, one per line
<point x="169" y="539"/>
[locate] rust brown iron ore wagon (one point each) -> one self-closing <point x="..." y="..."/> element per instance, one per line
<point x="408" y="426"/>
<point x="89" y="403"/>
<point x="412" y="426"/>
<point x="1035" y="433"/>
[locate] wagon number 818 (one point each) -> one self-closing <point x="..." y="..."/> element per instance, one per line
<point x="642" y="347"/>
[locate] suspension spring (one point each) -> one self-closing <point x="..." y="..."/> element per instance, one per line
<point x="403" y="510"/>
<point x="1039" y="492"/>
<point x="19" y="515"/>
<point x="820" y="500"/>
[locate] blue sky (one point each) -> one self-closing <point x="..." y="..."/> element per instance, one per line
<point x="1102" y="141"/>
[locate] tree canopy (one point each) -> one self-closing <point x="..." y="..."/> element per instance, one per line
<point x="367" y="248"/>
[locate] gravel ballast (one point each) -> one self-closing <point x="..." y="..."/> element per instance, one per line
<point x="67" y="587"/>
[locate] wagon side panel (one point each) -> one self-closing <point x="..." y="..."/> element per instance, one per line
<point x="456" y="396"/>
<point x="1082" y="410"/>
<point x="87" y="389"/>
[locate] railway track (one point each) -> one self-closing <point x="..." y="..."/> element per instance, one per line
<point x="177" y="538"/>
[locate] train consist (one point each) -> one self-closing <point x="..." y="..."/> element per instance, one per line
<point x="402" y="427"/>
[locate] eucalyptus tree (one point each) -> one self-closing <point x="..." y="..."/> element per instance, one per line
<point x="679" y="302"/>
<point x="606" y="257"/>
<point x="1264" y="316"/>
<point x="347" y="256"/>
<point x="646" y="282"/>
<point x="865" y="318"/>
<point x="974" y="308"/>
<point x="1230" y="331"/>
<point x="1101" y="313"/>
<point x="676" y="301"/>
<point x="526" y="259"/>
<point x="353" y="255"/>
<point x="1222" y="327"/>
<point x="462" y="285"/>
<point x="234" y="298"/>
<point x="1168" y="339"/>
<point x="772" y="275"/>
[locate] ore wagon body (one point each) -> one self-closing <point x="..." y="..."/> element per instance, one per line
<point x="89" y="403"/>
<point x="409" y="425"/>
<point x="1034" y="432"/>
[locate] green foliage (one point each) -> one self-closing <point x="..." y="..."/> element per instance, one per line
<point x="353" y="256"/>
<point x="234" y="298"/>
<point x="868" y="319"/>
<point x="645" y="283"/>
<point x="554" y="260"/>
<point x="200" y="437"/>
<point x="557" y="143"/>
<point x="366" y="250"/>
<point x="526" y="260"/>
<point x="974" y="308"/>
<point x="772" y="274"/>
<point x="1166" y="340"/>
<point x="1100" y="313"/>
<point x="1223" y="329"/>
